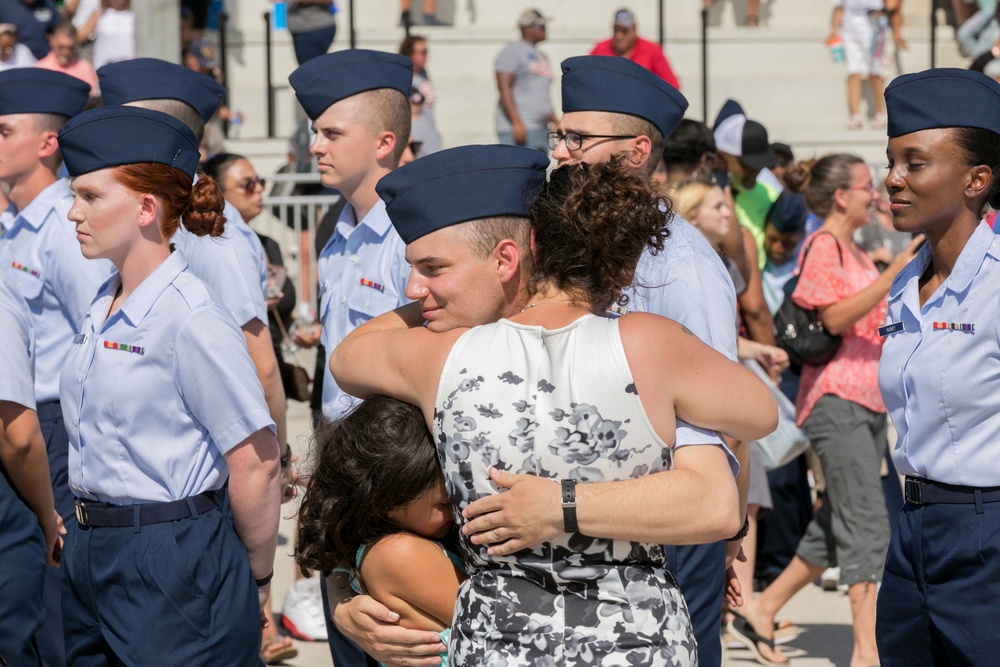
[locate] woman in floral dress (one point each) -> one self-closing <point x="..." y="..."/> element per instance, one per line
<point x="555" y="392"/>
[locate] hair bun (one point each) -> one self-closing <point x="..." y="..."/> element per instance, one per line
<point x="203" y="216"/>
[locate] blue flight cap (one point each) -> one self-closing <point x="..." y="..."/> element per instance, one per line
<point x="36" y="90"/>
<point x="788" y="213"/>
<point x="729" y="108"/>
<point x="327" y="79"/>
<point x="944" y="97"/>
<point x="153" y="79"/>
<point x="461" y="184"/>
<point x="113" y="136"/>
<point x="618" y="85"/>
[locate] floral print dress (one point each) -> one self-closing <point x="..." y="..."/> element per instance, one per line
<point x="556" y="404"/>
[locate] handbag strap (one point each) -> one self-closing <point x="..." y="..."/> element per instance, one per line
<point x="805" y="251"/>
<point x="281" y="325"/>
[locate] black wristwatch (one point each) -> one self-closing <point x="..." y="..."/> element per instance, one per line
<point x="569" y="505"/>
<point x="743" y="531"/>
<point x="286" y="458"/>
<point x="266" y="580"/>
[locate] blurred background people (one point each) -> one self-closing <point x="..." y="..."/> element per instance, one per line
<point x="12" y="53"/>
<point x="64" y="57"/>
<point x="524" y="77"/>
<point x="422" y="95"/>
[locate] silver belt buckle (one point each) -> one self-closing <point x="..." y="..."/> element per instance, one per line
<point x="912" y="489"/>
<point x="81" y="512"/>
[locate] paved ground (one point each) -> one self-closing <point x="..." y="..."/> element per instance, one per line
<point x="825" y="616"/>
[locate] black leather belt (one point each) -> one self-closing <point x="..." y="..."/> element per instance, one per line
<point x="928" y="492"/>
<point x="103" y="515"/>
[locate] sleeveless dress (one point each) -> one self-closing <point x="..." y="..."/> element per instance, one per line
<point x="557" y="404"/>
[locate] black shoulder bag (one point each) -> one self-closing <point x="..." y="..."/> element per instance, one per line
<point x="799" y="331"/>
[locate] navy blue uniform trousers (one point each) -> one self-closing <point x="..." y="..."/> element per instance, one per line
<point x="50" y="638"/>
<point x="938" y="601"/>
<point x="175" y="593"/>
<point x="700" y="571"/>
<point x="22" y="574"/>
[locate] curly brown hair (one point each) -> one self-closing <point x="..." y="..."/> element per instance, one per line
<point x="376" y="459"/>
<point x="591" y="224"/>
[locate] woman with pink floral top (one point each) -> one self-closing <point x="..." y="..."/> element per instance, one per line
<point x="839" y="406"/>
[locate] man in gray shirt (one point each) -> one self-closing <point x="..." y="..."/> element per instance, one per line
<point x="524" y="77"/>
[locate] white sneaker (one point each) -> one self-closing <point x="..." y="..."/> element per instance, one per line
<point x="302" y="615"/>
<point x="830" y="578"/>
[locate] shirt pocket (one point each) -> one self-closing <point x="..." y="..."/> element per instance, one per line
<point x="364" y="303"/>
<point x="30" y="286"/>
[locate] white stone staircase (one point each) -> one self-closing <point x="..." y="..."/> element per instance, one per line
<point x="781" y="72"/>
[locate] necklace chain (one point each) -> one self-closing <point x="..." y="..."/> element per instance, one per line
<point x="542" y="303"/>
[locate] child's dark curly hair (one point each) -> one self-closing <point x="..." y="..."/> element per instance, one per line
<point x="591" y="224"/>
<point x="376" y="459"/>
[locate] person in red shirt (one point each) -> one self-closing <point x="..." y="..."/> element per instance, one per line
<point x="627" y="44"/>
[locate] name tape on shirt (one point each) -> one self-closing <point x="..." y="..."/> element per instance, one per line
<point x="890" y="328"/>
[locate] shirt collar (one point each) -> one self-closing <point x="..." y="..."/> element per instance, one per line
<point x="35" y="213"/>
<point x="376" y="220"/>
<point x="141" y="301"/>
<point x="971" y="258"/>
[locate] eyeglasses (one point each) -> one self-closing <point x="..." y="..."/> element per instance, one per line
<point x="249" y="185"/>
<point x="574" y="140"/>
<point x="869" y="187"/>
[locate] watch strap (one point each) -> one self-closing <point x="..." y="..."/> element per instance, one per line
<point x="569" y="506"/>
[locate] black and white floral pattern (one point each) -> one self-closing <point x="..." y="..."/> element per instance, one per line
<point x="577" y="600"/>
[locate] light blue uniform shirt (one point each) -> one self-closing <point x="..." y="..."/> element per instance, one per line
<point x="362" y="274"/>
<point x="232" y="265"/>
<point x="688" y="282"/>
<point x="153" y="424"/>
<point x="940" y="386"/>
<point x="42" y="257"/>
<point x="17" y="353"/>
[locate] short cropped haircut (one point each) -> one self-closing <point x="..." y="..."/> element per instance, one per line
<point x="388" y="110"/>
<point x="182" y="111"/>
<point x="49" y="122"/>
<point x="484" y="234"/>
<point x="627" y="124"/>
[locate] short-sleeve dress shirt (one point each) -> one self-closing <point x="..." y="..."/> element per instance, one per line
<point x="852" y="374"/>
<point x="940" y="383"/>
<point x="42" y="257"/>
<point x="17" y="354"/>
<point x="362" y="273"/>
<point x="688" y="282"/>
<point x="157" y="393"/>
<point x="232" y="265"/>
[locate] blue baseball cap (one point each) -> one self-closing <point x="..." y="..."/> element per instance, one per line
<point x="788" y="213"/>
<point x="36" y="90"/>
<point x="461" y="184"/>
<point x="113" y="136"/>
<point x="322" y="81"/>
<point x="944" y="97"/>
<point x="618" y="85"/>
<point x="153" y="79"/>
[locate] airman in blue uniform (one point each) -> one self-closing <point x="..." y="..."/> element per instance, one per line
<point x="39" y="253"/>
<point x="939" y="373"/>
<point x="27" y="513"/>
<point x="163" y="408"/>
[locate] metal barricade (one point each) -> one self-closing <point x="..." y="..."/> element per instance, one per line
<point x="291" y="221"/>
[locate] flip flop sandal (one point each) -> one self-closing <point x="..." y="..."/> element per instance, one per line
<point x="785" y="634"/>
<point x="746" y="635"/>
<point x="274" y="650"/>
